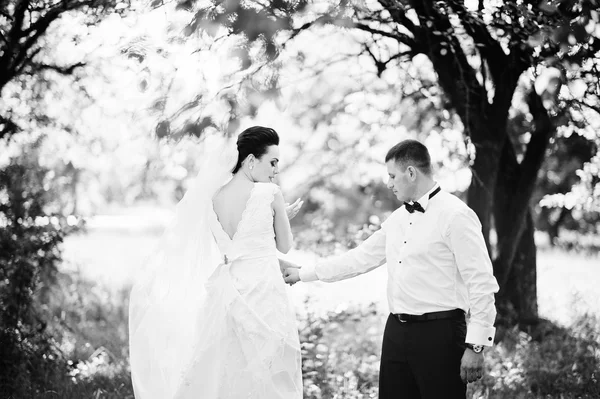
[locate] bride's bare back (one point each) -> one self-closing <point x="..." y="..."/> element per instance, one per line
<point x="230" y="203"/>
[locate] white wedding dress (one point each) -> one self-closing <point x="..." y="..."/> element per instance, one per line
<point x="245" y="341"/>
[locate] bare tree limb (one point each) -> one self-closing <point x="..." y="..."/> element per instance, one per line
<point x="18" y="18"/>
<point x="440" y="44"/>
<point x="396" y="10"/>
<point x="487" y="46"/>
<point x="382" y="65"/>
<point x="63" y="70"/>
<point x="308" y="25"/>
<point x="401" y="37"/>
<point x="584" y="104"/>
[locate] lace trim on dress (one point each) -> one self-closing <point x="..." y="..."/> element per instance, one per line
<point x="254" y="213"/>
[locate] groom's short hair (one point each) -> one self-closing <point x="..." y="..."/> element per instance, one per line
<point x="411" y="153"/>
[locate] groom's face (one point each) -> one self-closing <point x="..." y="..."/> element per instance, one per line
<point x="401" y="181"/>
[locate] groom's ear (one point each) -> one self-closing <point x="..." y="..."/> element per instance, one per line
<point x="412" y="172"/>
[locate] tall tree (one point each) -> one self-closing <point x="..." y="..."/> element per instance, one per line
<point x="24" y="25"/>
<point x="489" y="57"/>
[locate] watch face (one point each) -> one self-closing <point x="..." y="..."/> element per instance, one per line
<point x="475" y="348"/>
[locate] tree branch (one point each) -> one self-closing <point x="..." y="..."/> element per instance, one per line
<point x="382" y="65"/>
<point x="53" y="13"/>
<point x="398" y="14"/>
<point x="18" y="18"/>
<point x="322" y="19"/>
<point x="7" y="127"/>
<point x="487" y="46"/>
<point x="401" y="37"/>
<point x="455" y="75"/>
<point x="584" y="104"/>
<point x="63" y="70"/>
<point x="39" y="29"/>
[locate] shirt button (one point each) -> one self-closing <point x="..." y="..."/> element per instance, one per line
<point x="405" y="242"/>
<point x="399" y="261"/>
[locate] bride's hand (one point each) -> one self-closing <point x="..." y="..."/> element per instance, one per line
<point x="293" y="209"/>
<point x="284" y="264"/>
<point x="291" y="275"/>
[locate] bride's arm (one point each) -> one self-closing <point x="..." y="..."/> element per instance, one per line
<point x="283" y="231"/>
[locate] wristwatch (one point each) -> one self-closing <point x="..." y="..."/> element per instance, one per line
<point x="475" y="348"/>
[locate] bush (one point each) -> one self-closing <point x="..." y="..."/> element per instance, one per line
<point x="556" y="362"/>
<point x="91" y="327"/>
<point x="29" y="242"/>
<point x="340" y="353"/>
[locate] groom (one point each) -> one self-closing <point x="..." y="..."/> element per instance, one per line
<point x="438" y="269"/>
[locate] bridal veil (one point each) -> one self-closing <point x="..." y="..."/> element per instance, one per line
<point x="167" y="294"/>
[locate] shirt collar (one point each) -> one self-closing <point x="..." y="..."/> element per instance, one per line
<point x="424" y="200"/>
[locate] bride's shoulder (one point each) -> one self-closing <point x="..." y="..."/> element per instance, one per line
<point x="268" y="187"/>
<point x="269" y="192"/>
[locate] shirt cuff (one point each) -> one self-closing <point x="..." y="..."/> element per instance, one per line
<point x="480" y="335"/>
<point x="308" y="273"/>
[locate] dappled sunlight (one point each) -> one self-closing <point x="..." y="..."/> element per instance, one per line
<point x="109" y="107"/>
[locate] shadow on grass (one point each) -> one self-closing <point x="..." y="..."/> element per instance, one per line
<point x="549" y="361"/>
<point x="340" y="351"/>
<point x="552" y="362"/>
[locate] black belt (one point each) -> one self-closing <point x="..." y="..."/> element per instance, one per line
<point x="446" y="314"/>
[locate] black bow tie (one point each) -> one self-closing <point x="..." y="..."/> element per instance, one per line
<point x="415" y="206"/>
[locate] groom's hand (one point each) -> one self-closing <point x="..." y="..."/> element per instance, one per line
<point x="291" y="275"/>
<point x="285" y="264"/>
<point x="471" y="366"/>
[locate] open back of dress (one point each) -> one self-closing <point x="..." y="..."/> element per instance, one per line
<point x="247" y="343"/>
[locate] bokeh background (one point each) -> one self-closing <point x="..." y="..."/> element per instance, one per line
<point x="106" y="105"/>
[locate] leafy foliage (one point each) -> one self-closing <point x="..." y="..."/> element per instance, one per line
<point x="492" y="62"/>
<point x="335" y="364"/>
<point x="549" y="362"/>
<point x="569" y="194"/>
<point x="29" y="238"/>
<point x="25" y="48"/>
<point x="340" y="351"/>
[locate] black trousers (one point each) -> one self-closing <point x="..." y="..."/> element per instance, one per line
<point x="421" y="360"/>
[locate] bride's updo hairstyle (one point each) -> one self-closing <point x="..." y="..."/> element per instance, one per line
<point x="255" y="140"/>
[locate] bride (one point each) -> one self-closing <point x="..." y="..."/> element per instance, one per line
<point x="210" y="318"/>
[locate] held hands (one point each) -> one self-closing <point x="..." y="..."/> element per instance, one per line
<point x="291" y="275"/>
<point x="287" y="269"/>
<point x="292" y="209"/>
<point x="471" y="366"/>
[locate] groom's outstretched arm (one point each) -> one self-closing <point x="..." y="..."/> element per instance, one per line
<point x="364" y="258"/>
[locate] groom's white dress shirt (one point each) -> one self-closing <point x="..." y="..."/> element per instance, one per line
<point x="437" y="260"/>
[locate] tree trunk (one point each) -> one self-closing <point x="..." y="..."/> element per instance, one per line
<point x="524" y="180"/>
<point x="515" y="265"/>
<point x="517" y="299"/>
<point x="480" y="196"/>
<point x="500" y="185"/>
